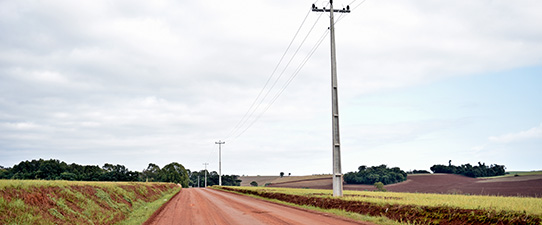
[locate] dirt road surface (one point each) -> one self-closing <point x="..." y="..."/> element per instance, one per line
<point x="207" y="206"/>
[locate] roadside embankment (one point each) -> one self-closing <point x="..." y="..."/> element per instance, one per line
<point x="76" y="202"/>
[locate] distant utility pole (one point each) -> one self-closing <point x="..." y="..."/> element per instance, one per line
<point x="337" y="174"/>
<point x="205" y="164"/>
<point x="220" y="143"/>
<point x="198" y="180"/>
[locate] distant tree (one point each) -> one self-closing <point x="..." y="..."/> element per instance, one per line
<point x="194" y="178"/>
<point x="281" y="174"/>
<point x="4" y="172"/>
<point x="174" y="173"/>
<point x="418" y="172"/>
<point x="254" y="184"/>
<point x="68" y="176"/>
<point x="212" y="178"/>
<point x="231" y="180"/>
<point x="375" y="174"/>
<point x="289" y="174"/>
<point x="379" y="186"/>
<point x="481" y="170"/>
<point x="152" y="173"/>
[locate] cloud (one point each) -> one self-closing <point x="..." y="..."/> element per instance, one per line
<point x="172" y="77"/>
<point x="533" y="133"/>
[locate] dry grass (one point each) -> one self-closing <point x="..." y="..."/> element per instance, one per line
<point x="531" y="206"/>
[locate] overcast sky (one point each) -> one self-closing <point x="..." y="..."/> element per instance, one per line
<point x="139" y="82"/>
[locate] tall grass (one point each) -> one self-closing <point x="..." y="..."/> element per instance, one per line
<point x="529" y="205"/>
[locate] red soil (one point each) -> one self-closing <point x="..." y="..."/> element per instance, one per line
<point x="529" y="186"/>
<point x="43" y="200"/>
<point x="207" y="206"/>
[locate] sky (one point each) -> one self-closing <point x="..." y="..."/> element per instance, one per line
<point x="138" y="82"/>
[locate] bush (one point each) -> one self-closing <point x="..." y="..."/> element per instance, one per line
<point x="254" y="184"/>
<point x="379" y="187"/>
<point x="418" y="172"/>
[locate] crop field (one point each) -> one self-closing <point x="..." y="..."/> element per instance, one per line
<point x="413" y="207"/>
<point x="75" y="202"/>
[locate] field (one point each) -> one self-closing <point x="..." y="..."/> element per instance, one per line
<point x="262" y="180"/>
<point x="528" y="184"/>
<point x="71" y="202"/>
<point x="412" y="207"/>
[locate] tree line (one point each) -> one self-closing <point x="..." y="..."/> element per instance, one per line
<point x="374" y="174"/>
<point x="481" y="170"/>
<point x="54" y="169"/>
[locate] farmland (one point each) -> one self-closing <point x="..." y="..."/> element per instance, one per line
<point x="69" y="202"/>
<point x="412" y="207"/>
<point x="527" y="184"/>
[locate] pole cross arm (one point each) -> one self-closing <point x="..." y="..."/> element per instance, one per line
<point x="343" y="10"/>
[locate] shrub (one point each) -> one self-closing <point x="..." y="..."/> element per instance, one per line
<point x="379" y="187"/>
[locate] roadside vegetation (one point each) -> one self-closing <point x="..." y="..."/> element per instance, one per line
<point x="54" y="169"/>
<point x="78" y="202"/>
<point x="412" y="207"/>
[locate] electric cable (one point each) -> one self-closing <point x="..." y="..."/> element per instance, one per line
<point x="240" y="123"/>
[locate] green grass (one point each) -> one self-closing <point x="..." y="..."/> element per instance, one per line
<point x="145" y="210"/>
<point x="74" y="202"/>
<point x="518" y="173"/>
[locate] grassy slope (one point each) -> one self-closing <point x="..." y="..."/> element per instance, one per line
<point x="65" y="202"/>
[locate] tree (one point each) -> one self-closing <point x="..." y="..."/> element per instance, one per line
<point x="254" y="184"/>
<point x="194" y="178"/>
<point x="379" y="186"/>
<point x="118" y="173"/>
<point x="231" y="180"/>
<point x="371" y="175"/>
<point x="481" y="170"/>
<point x="281" y="174"/>
<point x="152" y="173"/>
<point x="174" y="173"/>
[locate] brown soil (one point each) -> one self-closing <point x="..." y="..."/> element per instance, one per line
<point x="528" y="186"/>
<point x="208" y="206"/>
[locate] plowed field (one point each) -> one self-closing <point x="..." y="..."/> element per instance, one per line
<point x="530" y="186"/>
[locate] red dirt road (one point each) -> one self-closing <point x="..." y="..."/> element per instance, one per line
<point x="207" y="206"/>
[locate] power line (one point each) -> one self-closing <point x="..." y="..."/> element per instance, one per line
<point x="351" y="10"/>
<point x="252" y="109"/>
<point x="242" y="121"/>
<point x="296" y="72"/>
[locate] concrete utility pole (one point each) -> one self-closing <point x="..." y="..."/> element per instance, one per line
<point x="220" y="143"/>
<point x="205" y="164"/>
<point x="337" y="174"/>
